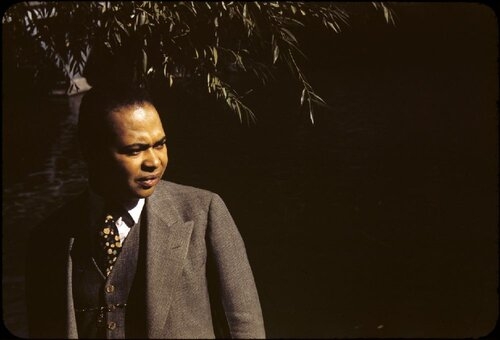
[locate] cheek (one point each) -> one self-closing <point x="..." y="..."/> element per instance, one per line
<point x="128" y="167"/>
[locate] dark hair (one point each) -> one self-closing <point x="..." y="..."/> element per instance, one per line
<point x="97" y="104"/>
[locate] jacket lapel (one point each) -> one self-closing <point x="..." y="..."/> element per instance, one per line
<point x="167" y="241"/>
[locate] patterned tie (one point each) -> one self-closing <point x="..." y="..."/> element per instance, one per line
<point x="110" y="242"/>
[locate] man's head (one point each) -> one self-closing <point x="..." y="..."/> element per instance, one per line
<point x="123" y="142"/>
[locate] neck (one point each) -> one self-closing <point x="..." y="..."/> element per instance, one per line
<point x="114" y="199"/>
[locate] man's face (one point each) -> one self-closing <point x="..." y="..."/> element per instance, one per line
<point x="135" y="156"/>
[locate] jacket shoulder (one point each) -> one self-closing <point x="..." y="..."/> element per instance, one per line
<point x="187" y="199"/>
<point x="183" y="189"/>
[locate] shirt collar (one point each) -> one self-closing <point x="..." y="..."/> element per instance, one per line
<point x="136" y="211"/>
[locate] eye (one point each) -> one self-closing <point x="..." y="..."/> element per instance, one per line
<point x="132" y="152"/>
<point x="160" y="145"/>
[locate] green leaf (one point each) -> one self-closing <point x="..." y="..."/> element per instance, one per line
<point x="239" y="111"/>
<point x="317" y="98"/>
<point x="214" y="52"/>
<point x="276" y="53"/>
<point x="289" y="34"/>
<point x="333" y="27"/>
<point x="311" y="116"/>
<point x="245" y="11"/>
<point x="144" y="61"/>
<point x="303" y="96"/>
<point x="121" y="26"/>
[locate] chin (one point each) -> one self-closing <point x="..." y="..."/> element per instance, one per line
<point x="144" y="193"/>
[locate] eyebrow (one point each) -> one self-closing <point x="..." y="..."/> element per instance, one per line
<point x="143" y="146"/>
<point x="161" y="141"/>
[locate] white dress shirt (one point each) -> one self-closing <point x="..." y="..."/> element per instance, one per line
<point x="135" y="213"/>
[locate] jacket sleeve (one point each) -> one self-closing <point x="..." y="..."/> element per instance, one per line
<point x="236" y="284"/>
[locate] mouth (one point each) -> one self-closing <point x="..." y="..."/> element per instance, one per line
<point x="148" y="182"/>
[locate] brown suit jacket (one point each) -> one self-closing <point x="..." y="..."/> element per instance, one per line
<point x="186" y="227"/>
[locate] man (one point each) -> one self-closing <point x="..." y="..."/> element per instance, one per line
<point x="136" y="256"/>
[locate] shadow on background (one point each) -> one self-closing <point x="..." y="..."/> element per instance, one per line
<point x="378" y="221"/>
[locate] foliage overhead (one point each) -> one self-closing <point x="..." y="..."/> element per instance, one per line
<point x="226" y="48"/>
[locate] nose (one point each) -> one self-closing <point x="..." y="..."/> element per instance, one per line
<point x="151" y="160"/>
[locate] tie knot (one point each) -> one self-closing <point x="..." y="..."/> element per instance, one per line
<point x="117" y="214"/>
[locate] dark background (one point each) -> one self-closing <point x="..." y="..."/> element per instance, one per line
<point x="378" y="221"/>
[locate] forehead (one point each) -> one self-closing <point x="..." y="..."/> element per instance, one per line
<point x="134" y="120"/>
